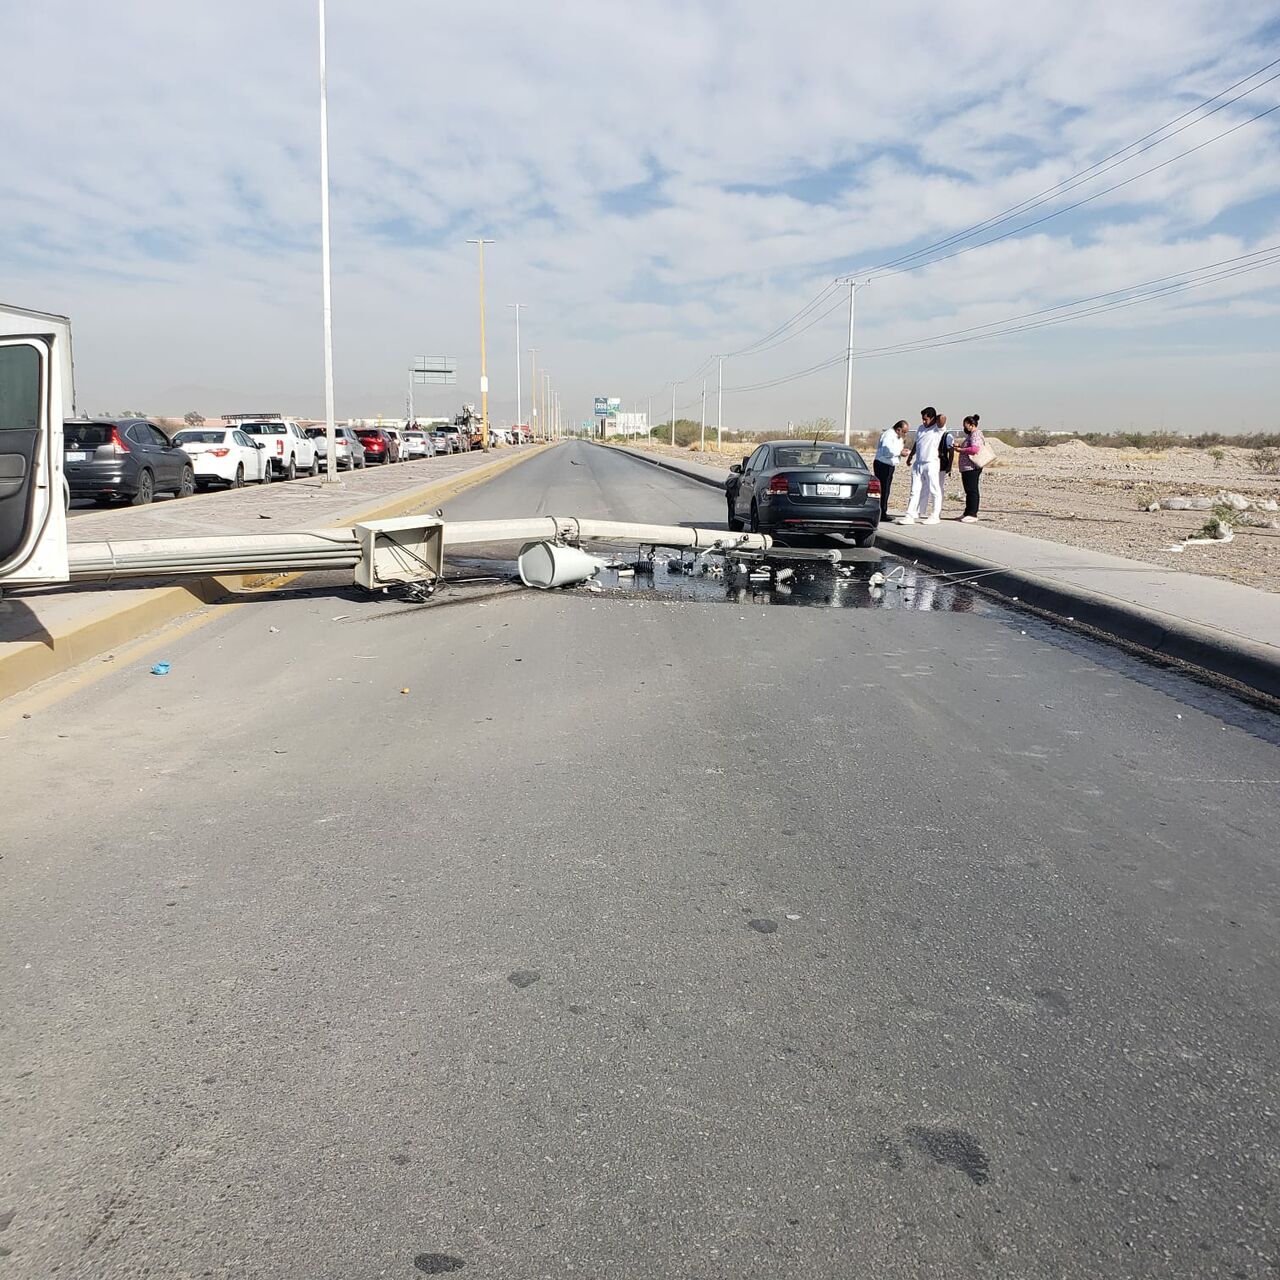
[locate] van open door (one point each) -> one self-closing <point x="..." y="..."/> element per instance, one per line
<point x="35" y="392"/>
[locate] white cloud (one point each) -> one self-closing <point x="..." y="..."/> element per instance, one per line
<point x="165" y="195"/>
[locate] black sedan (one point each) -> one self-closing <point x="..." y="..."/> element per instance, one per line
<point x="793" y="486"/>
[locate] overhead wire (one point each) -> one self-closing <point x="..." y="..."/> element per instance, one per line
<point x="1094" y="170"/>
<point x="779" y="335"/>
<point x="1162" y="287"/>
<point x="1057" y="213"/>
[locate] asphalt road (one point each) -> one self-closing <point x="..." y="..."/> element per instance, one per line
<point x="637" y="939"/>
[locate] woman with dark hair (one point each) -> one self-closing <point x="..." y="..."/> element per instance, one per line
<point x="888" y="452"/>
<point x="974" y="454"/>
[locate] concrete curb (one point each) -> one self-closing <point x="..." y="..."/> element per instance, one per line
<point x="29" y="662"/>
<point x="1243" y="661"/>
<point x="690" y="470"/>
<point x="1236" y="658"/>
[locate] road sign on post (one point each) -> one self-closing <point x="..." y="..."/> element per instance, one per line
<point x="602" y="407"/>
<point x="437" y="369"/>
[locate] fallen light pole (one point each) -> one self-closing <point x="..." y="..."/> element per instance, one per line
<point x="381" y="553"/>
<point x="573" y="530"/>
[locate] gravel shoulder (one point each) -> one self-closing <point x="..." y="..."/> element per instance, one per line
<point x="1084" y="496"/>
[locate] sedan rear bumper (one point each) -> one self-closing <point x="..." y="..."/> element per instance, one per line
<point x="819" y="517"/>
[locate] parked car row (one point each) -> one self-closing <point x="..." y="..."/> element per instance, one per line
<point x="131" y="459"/>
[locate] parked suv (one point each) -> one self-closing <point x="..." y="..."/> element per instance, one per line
<point x="288" y="446"/>
<point x="123" y="459"/>
<point x="349" y="450"/>
<point x="379" y="446"/>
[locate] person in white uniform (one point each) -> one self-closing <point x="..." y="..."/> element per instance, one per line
<point x="926" y="484"/>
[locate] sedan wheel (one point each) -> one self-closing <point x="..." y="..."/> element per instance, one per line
<point x="239" y="477"/>
<point x="732" y="519"/>
<point x="755" y="518"/>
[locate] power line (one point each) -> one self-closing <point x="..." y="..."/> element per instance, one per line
<point x="780" y="335"/>
<point x="782" y="328"/>
<point x="1094" y="170"/>
<point x="1211" y="273"/>
<point x="1026" y="226"/>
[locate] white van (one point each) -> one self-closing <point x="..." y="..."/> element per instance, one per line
<point x="37" y="392"/>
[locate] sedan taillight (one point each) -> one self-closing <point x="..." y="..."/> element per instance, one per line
<point x="873" y="489"/>
<point x="778" y="485"/>
<point x="219" y="453"/>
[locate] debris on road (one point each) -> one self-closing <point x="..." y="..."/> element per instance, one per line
<point x="160" y="669"/>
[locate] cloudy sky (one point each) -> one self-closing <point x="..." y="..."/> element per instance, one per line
<point x="663" y="182"/>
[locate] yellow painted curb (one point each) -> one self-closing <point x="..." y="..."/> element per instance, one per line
<point x="31" y="661"/>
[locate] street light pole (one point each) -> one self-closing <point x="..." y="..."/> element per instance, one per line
<point x="648" y="419"/>
<point x="673" y="414"/>
<point x="484" y="368"/>
<point x="719" y="396"/>
<point x="533" y="393"/>
<point x="330" y="430"/>
<point x="519" y="389"/>
<point x="702" y="448"/>
<point x="848" y="367"/>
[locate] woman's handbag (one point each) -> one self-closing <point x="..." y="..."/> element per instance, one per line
<point x="985" y="456"/>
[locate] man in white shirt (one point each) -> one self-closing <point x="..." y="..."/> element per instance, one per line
<point x="888" y="451"/>
<point x="926" y="484"/>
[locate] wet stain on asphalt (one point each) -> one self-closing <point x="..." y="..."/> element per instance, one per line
<point x="523" y="978"/>
<point x="763" y="926"/>
<point x="437" y="1264"/>
<point x="399" y="1159"/>
<point x="1054" y="1001"/>
<point x="953" y="1148"/>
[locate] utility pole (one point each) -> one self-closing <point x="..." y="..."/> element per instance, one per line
<point x="848" y="367"/>
<point x="703" y="446"/>
<point x="546" y="405"/>
<point x="719" y="396"/>
<point x="330" y="430"/>
<point x="648" y="419"/>
<point x="519" y="389"/>
<point x="673" y="414"/>
<point x="533" y="392"/>
<point x="484" y="368"/>
<point x="409" y="400"/>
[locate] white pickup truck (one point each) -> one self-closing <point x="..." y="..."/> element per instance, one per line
<point x="36" y="393"/>
<point x="289" y="448"/>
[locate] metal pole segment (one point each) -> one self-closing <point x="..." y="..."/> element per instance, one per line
<point x="330" y="429"/>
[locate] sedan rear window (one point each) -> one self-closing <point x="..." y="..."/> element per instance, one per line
<point x="76" y="435"/>
<point x="819" y="456"/>
<point x="198" y="437"/>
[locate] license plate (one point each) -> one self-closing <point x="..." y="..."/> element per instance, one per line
<point x="74" y="455"/>
<point x="830" y="490"/>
